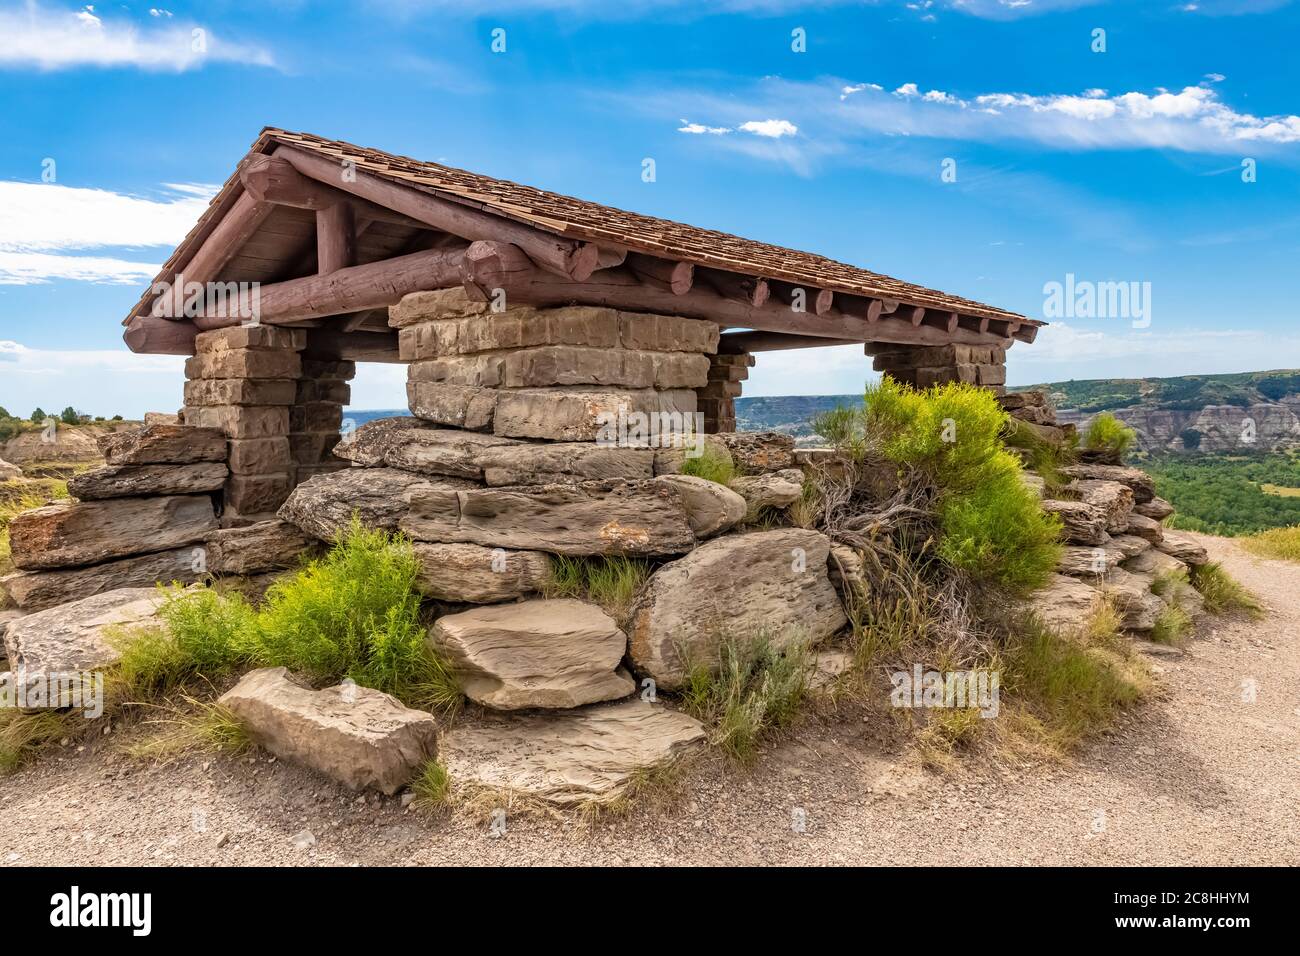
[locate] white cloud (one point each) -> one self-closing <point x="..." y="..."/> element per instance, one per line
<point x="772" y="128"/>
<point x="50" y="39"/>
<point x="1194" y="118"/>
<point x="96" y="381"/>
<point x="40" y="221"/>
<point x="699" y="129"/>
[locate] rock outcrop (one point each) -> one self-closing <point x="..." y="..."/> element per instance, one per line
<point x="324" y="505"/>
<point x="474" y="574"/>
<point x="545" y="653"/>
<point x="357" y="736"/>
<point x="690" y="606"/>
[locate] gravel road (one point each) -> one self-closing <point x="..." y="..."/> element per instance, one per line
<point x="1201" y="775"/>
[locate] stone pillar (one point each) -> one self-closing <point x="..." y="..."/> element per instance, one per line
<point x="923" y="366"/>
<point x="717" y="399"/>
<point x="244" y="382"/>
<point x="559" y="374"/>
<point x="317" y="416"/>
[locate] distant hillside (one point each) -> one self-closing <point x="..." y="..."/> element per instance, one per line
<point x="789" y="414"/>
<point x="1245" y="412"/>
<point x="1182" y="393"/>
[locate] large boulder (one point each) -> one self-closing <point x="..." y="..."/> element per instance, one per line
<point x="37" y="590"/>
<point x="1130" y="544"/>
<point x="1157" y="509"/>
<point x="1153" y="561"/>
<point x="1147" y="528"/>
<point x="646" y="518"/>
<point x="1113" y="499"/>
<point x="8" y="471"/>
<point x="776" y="489"/>
<point x="272" y="545"/>
<point x="355" y="735"/>
<point x="126" y="481"/>
<point x="163" y="445"/>
<point x="1132" y="596"/>
<point x="590" y="755"/>
<point x="757" y="452"/>
<point x="369" y="444"/>
<point x="70" y="534"/>
<point x="1081" y="523"/>
<point x="1142" y="484"/>
<point x="1083" y="562"/>
<point x="544" y="653"/>
<point x="1064" y="604"/>
<point x="474" y="574"/>
<point x="1183" y="547"/>
<point x="770" y="583"/>
<point x="323" y="506"/>
<point x="75" y="637"/>
<point x="711" y="508"/>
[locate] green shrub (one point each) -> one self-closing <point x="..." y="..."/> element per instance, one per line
<point x="70" y="416"/>
<point x="752" y="690"/>
<point x="991" y="525"/>
<point x="1109" y="436"/>
<point x="712" y="464"/>
<point x="1172" y="625"/>
<point x="38" y="415"/>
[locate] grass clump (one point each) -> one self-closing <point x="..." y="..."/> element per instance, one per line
<point x="1042" y="456"/>
<point x="1068" y="688"/>
<point x="1281" y="543"/>
<point x="1222" y="592"/>
<point x="712" y="464"/>
<point x="1172" y="626"/>
<point x="23" y="735"/>
<point x="612" y="582"/>
<point x="753" y="690"/>
<point x="432" y="786"/>
<point x="991" y="525"/>
<point x="1108" y="437"/>
<point x="196" y="726"/>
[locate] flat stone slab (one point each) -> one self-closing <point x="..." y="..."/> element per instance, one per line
<point x="1081" y="523"/>
<point x="73" y="534"/>
<point x="255" y="548"/>
<point x="590" y="755"/>
<point x="73" y="637"/>
<point x="777" y="489"/>
<point x="1084" y="562"/>
<point x="1064" y="604"/>
<point x="1183" y="547"/>
<point x="323" y="506"/>
<point x="1148" y="528"/>
<point x="474" y="574"/>
<point x="163" y="445"/>
<point x="1142" y="484"/>
<point x="647" y="518"/>
<point x="142" y="481"/>
<point x="357" y="736"/>
<point x="1113" y="499"/>
<point x="1132" y="595"/>
<point x="37" y="590"/>
<point x="756" y="452"/>
<point x="368" y="444"/>
<point x="555" y="653"/>
<point x="575" y="413"/>
<point x="771" y="583"/>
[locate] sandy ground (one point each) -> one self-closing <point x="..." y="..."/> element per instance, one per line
<point x="1203" y="775"/>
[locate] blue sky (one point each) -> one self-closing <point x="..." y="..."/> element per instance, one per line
<point x="1123" y="165"/>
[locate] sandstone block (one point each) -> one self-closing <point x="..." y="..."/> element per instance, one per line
<point x="1184" y="547"/>
<point x="1143" y="486"/>
<point x="1157" y="509"/>
<point x="513" y="329"/>
<point x="463" y="406"/>
<point x="128" y="481"/>
<point x="691" y="605"/>
<point x="37" y="590"/>
<point x="1081" y="522"/>
<point x="255" y="548"/>
<point x="316" y="417"/>
<point x="1147" y="528"/>
<point x="244" y="363"/>
<point x="1113" y="499"/>
<point x="323" y="506"/>
<point x="439" y="304"/>
<point x="260" y="456"/>
<point x="756" y="452"/>
<point x="369" y="444"/>
<point x="324" y="369"/>
<point x="473" y="574"/>
<point x="627" y="517"/>
<point x="778" y="489"/>
<point x="479" y="371"/>
<point x="534" y="463"/>
<point x="240" y="391"/>
<point x="72" y="534"/>
<point x="589" y="755"/>
<point x="251" y="337"/>
<point x="711" y="508"/>
<point x="360" y="737"/>
<point x="667" y="333"/>
<point x="1065" y="604"/>
<point x="323" y="390"/>
<point x="578" y="414"/>
<point x="163" y="445"/>
<point x="542" y="653"/>
<point x="240" y="421"/>
<point x="255" y="494"/>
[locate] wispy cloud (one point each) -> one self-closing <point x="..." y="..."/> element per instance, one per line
<point x="768" y="129"/>
<point x="96" y="381"/>
<point x="40" y="223"/>
<point x="60" y="39"/>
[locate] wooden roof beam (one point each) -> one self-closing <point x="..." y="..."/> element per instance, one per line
<point x="498" y="265"/>
<point x="666" y="274"/>
<point x="566" y="258"/>
<point x="735" y="342"/>
<point x="742" y="288"/>
<point x="273" y="179"/>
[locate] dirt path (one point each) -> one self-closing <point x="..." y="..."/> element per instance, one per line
<point x="1201" y="776"/>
